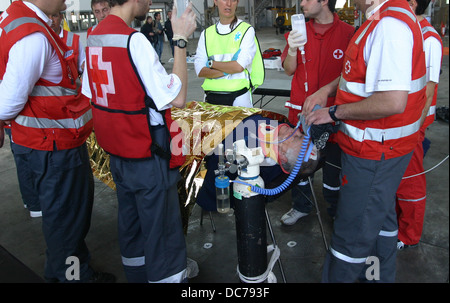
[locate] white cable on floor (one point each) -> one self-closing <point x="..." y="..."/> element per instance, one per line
<point x="407" y="177"/>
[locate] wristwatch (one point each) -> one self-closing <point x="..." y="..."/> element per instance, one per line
<point x="210" y="63"/>
<point x="180" y="43"/>
<point x="332" y="112"/>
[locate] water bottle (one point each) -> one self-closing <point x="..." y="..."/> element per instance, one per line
<point x="181" y="6"/>
<point x="299" y="25"/>
<point x="223" y="194"/>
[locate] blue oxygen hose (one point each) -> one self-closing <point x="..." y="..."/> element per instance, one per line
<point x="289" y="179"/>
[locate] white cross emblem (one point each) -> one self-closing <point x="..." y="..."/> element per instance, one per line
<point x="102" y="76"/>
<point x="348" y="67"/>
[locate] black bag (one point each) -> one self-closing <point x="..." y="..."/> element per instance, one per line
<point x="224" y="98"/>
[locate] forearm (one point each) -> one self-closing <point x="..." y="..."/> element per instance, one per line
<point x="180" y="69"/>
<point x="430" y="95"/>
<point x="290" y="64"/>
<point x="379" y="105"/>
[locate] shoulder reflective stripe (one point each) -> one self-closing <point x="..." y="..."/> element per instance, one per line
<point x="137" y="261"/>
<point x="397" y="9"/>
<point x="403" y="11"/>
<point x="385" y="233"/>
<point x="113" y="40"/>
<point x="20" y="21"/>
<point x="47" y="91"/>
<point x="69" y="39"/>
<point x="49" y="123"/>
<point x="429" y="29"/>
<point x="23" y="20"/>
<point x="378" y="134"/>
<point x="346" y="258"/>
<point x="359" y="89"/>
<point x="362" y="33"/>
<point x="289" y="104"/>
<point x="431" y="110"/>
<point x="413" y="200"/>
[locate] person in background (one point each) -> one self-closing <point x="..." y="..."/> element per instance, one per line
<point x="147" y="30"/>
<point x="412" y="192"/>
<point x="51" y="121"/>
<point x="70" y="39"/>
<point x="101" y="9"/>
<point x="168" y="30"/>
<point x="133" y="124"/>
<point x="378" y="104"/>
<point x="159" y="34"/>
<point x="229" y="58"/>
<point x="327" y="39"/>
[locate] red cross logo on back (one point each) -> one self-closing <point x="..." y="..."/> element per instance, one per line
<point x="101" y="74"/>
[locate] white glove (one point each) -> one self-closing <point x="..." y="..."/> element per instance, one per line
<point x="294" y="41"/>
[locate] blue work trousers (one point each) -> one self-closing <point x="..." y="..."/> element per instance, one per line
<point x="365" y="229"/>
<point x="151" y="235"/>
<point x="65" y="187"/>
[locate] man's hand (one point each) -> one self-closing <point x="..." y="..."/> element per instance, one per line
<point x="320" y="98"/>
<point x="185" y="25"/>
<point x="320" y="116"/>
<point x="294" y="41"/>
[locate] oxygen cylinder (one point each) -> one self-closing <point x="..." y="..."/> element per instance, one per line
<point x="249" y="211"/>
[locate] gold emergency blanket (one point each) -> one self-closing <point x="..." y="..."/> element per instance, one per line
<point x="204" y="126"/>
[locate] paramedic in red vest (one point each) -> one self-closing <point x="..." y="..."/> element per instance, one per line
<point x="327" y="39"/>
<point x="411" y="194"/>
<point x="101" y="9"/>
<point x="70" y="39"/>
<point x="132" y="95"/>
<point x="379" y="105"/>
<point x="38" y="95"/>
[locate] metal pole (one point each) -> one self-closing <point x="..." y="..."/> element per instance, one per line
<point x="272" y="235"/>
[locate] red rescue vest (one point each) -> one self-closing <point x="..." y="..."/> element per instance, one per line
<point x="395" y="135"/>
<point x="55" y="114"/>
<point x="427" y="32"/>
<point x="73" y="42"/>
<point x="324" y="57"/>
<point x="120" y="103"/>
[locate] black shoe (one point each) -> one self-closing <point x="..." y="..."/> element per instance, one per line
<point x="102" y="277"/>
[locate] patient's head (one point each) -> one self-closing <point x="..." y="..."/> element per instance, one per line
<point x="289" y="150"/>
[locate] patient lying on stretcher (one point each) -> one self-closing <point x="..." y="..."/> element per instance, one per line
<point x="281" y="145"/>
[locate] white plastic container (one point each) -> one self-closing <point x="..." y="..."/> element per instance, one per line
<point x="299" y="25"/>
<point x="181" y="6"/>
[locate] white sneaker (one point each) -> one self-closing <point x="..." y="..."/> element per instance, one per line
<point x="401" y="245"/>
<point x="292" y="216"/>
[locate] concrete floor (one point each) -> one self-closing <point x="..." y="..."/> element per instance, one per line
<point x="302" y="246"/>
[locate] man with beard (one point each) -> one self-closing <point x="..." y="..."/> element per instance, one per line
<point x="132" y="95"/>
<point x="50" y="121"/>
